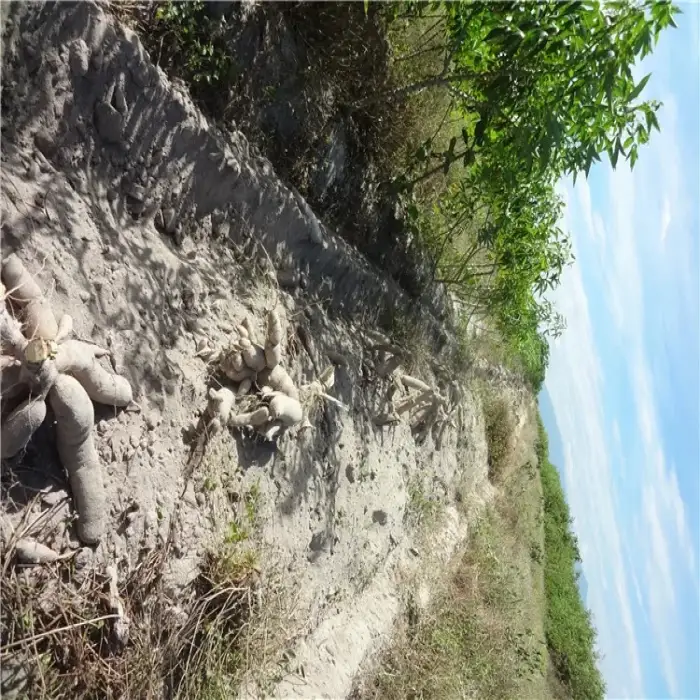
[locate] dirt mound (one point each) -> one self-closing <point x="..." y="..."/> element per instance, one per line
<point x="158" y="234"/>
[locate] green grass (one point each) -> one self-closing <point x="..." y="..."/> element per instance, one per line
<point x="568" y="625"/>
<point x="483" y="634"/>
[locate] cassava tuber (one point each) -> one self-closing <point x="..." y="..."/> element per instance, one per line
<point x="244" y="387"/>
<point x="274" y="329"/>
<point x="413" y="383"/>
<point x="254" y="419"/>
<point x="253" y="355"/>
<point x="219" y="409"/>
<point x="273" y="356"/>
<point x="285" y="409"/>
<point x="65" y="328"/>
<point x="278" y="379"/>
<point x="11" y="384"/>
<point x="38" y="318"/>
<point x="234" y="368"/>
<point x="80" y="360"/>
<point x="76" y="448"/>
<point x="30" y="551"/>
<point x="21" y="424"/>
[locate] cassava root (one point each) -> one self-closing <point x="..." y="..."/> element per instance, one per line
<point x="40" y="360"/>
<point x="76" y="448"/>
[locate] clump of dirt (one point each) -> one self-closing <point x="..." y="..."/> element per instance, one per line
<point x="159" y="234"/>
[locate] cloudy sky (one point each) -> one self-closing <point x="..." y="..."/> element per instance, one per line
<point x="624" y="384"/>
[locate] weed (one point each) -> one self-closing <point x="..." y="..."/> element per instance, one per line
<point x="422" y="511"/>
<point x="499" y="433"/>
<point x="252" y="503"/>
<point x="197" y="39"/>
<point x="570" y="633"/>
<point x="236" y="533"/>
<point x="536" y="553"/>
<point x="476" y="640"/>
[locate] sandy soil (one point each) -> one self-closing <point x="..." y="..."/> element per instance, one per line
<point x="158" y="234"/>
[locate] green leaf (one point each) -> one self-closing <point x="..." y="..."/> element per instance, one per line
<point x="639" y="87"/>
<point x="614" y="155"/>
<point x="633" y="157"/>
<point x="496" y="34"/>
<point x="654" y="121"/>
<point x="479" y="131"/>
<point x="366" y="7"/>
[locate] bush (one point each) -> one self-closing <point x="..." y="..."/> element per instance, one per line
<point x="568" y="624"/>
<point x="499" y="434"/>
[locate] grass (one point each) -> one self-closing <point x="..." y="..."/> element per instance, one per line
<point x="499" y="433"/>
<point x="422" y="511"/>
<point x="482" y="636"/>
<point x="569" y="629"/>
<point x="60" y="631"/>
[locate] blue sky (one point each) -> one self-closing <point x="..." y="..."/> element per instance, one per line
<point x="624" y="382"/>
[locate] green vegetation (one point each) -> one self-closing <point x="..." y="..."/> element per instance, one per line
<point x="499" y="432"/>
<point x="469" y="114"/>
<point x="568" y="626"/>
<point x="422" y="511"/>
<point x="537" y="91"/>
<point x="510" y="621"/>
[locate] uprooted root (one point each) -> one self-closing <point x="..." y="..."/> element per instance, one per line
<point x="276" y="403"/>
<point x="424" y="406"/>
<point x="39" y="361"/>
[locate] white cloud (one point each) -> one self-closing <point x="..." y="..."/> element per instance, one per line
<point x="622" y="485"/>
<point x="624" y="285"/>
<point x="666" y="218"/>
<point x="574" y="383"/>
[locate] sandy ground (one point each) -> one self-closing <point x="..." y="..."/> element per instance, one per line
<point x="148" y="227"/>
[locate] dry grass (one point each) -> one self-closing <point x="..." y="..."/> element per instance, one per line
<point x="500" y="429"/>
<point x="483" y="634"/>
<point x="60" y="631"/>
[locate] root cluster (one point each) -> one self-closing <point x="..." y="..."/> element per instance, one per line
<point x="268" y="399"/>
<point x="410" y="398"/>
<point x="38" y="363"/>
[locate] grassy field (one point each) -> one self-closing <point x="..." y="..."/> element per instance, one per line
<point x="509" y="622"/>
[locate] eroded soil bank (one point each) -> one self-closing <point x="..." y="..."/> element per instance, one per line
<point x="158" y="235"/>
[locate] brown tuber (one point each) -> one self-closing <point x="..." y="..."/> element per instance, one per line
<point x="285" y="409"/>
<point x="80" y="360"/>
<point x="45" y="364"/>
<point x="76" y="448"/>
<point x="274" y="329"/>
<point x="278" y="379"/>
<point x="21" y="424"/>
<point x="273" y="356"/>
<point x="37" y="317"/>
<point x="253" y="355"/>
<point x="254" y="419"/>
<point x="219" y="409"/>
<point x="30" y="551"/>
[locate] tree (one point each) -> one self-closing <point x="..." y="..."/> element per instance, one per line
<point x="552" y="80"/>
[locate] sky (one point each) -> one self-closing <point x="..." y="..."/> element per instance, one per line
<point x="624" y="384"/>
